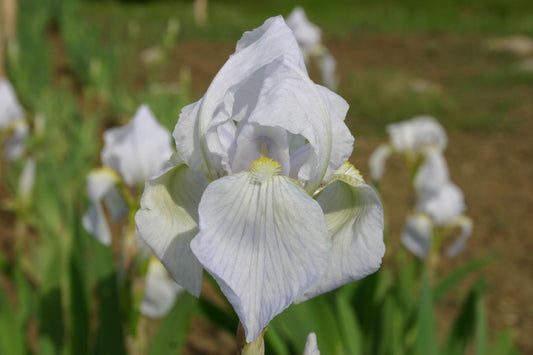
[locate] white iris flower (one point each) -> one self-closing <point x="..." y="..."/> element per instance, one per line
<point x="410" y="138"/>
<point x="131" y="154"/>
<point x="260" y="194"/>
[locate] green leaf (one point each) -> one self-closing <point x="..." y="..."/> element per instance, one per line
<point x="482" y="331"/>
<point x="50" y="317"/>
<point x="350" y="329"/>
<point x="463" y="327"/>
<point x="504" y="344"/>
<point x="79" y="304"/>
<point x="454" y="277"/>
<point x="274" y="343"/>
<point x="11" y="334"/>
<point x="426" y="342"/>
<point x="172" y="331"/>
<point x="110" y="334"/>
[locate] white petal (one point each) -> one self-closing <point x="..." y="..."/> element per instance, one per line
<point x="327" y="66"/>
<point x="10" y="108"/>
<point x="354" y="216"/>
<point x="444" y="205"/>
<point x="377" y="161"/>
<point x="264" y="241"/>
<point x="168" y="220"/>
<point x="342" y="139"/>
<point x="282" y="95"/>
<point x="418" y="234"/>
<point x="466" y="226"/>
<point x="307" y="34"/>
<point x="99" y="183"/>
<point x="416" y="134"/>
<point x="139" y="149"/>
<point x="433" y="173"/>
<point x="255" y="49"/>
<point x="160" y="291"/>
<point x="311" y="346"/>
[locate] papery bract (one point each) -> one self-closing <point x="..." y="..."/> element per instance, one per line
<point x="243" y="200"/>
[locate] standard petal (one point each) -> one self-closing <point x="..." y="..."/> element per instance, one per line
<point x="139" y="149"/>
<point x="167" y="221"/>
<point x="160" y="291"/>
<point x="466" y="226"/>
<point x="354" y="216"/>
<point x="265" y="242"/>
<point x="311" y="346"/>
<point x="432" y="174"/>
<point x="416" y="134"/>
<point x="255" y="49"/>
<point x="377" y="161"/>
<point x="418" y="234"/>
<point x="282" y="95"/>
<point x="342" y="139"/>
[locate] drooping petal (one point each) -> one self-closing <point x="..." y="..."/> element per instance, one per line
<point x="377" y="161"/>
<point x="354" y="216"/>
<point x="160" y="291"/>
<point x="416" y="134"/>
<point x="432" y="174"/>
<point x="10" y="108"/>
<point x="265" y="242"/>
<point x="311" y="346"/>
<point x="168" y="220"/>
<point x="195" y="132"/>
<point x="139" y="149"/>
<point x="444" y="205"/>
<point x="466" y="226"/>
<point x="418" y="234"/>
<point x="99" y="183"/>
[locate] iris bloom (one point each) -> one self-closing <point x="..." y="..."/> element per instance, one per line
<point x="13" y="125"/>
<point x="410" y="138"/>
<point x="438" y="210"/>
<point x="131" y="154"/>
<point x="309" y="38"/>
<point x="260" y="194"/>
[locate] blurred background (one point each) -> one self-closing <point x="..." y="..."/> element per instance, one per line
<point x="86" y="66"/>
